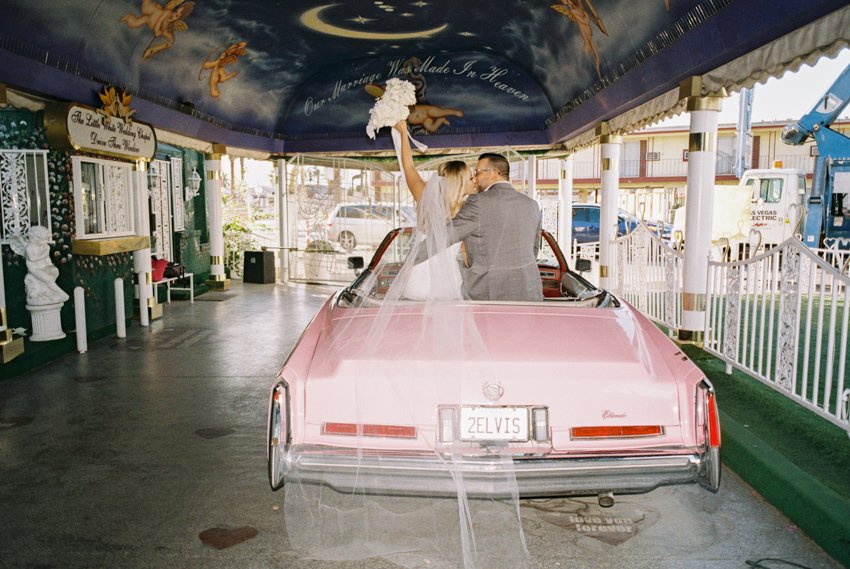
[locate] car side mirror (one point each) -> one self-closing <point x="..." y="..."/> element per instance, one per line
<point x="582" y="265"/>
<point x="355" y="263"/>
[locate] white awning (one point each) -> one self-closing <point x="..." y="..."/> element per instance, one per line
<point x="822" y="38"/>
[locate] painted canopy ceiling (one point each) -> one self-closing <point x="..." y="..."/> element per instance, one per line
<point x="301" y="75"/>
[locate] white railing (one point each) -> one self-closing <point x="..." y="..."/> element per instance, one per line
<point x="782" y="317"/>
<point x="648" y="275"/>
<point x="838" y="255"/>
<point x="663" y="168"/>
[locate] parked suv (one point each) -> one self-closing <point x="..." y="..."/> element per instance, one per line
<point x="586" y="223"/>
<point x="354" y="224"/>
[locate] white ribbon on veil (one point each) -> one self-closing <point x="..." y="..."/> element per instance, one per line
<point x="397" y="143"/>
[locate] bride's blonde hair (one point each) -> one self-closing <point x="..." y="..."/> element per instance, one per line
<point x="456" y="174"/>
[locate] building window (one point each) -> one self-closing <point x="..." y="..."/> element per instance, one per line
<point x="768" y="190"/>
<point x="103" y="197"/>
<point x="630" y="159"/>
<point x="24" y="192"/>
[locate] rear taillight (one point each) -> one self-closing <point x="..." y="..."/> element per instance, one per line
<point x="713" y="421"/>
<point x="354" y="429"/>
<point x="707" y="409"/>
<point x="609" y="432"/>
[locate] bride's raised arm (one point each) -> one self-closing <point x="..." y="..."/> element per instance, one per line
<point x="415" y="183"/>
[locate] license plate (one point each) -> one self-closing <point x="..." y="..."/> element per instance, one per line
<point x="494" y="423"/>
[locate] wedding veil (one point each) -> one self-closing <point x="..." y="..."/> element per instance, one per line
<point x="411" y="363"/>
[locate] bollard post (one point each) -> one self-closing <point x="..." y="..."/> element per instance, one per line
<point x="120" y="324"/>
<point x="80" y="317"/>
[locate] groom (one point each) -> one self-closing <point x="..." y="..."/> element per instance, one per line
<point x="500" y="229"/>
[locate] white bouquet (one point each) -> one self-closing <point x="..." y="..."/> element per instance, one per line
<point x="392" y="106"/>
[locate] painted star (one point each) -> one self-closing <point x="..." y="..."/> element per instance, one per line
<point x="420" y="4"/>
<point x="466" y="34"/>
<point x="361" y="20"/>
<point x="407" y="14"/>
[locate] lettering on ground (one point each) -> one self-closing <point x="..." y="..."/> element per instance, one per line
<point x="610" y="525"/>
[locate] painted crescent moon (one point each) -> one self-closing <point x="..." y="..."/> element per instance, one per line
<point x="311" y="19"/>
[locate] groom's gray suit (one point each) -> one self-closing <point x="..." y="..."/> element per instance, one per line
<point x="500" y="228"/>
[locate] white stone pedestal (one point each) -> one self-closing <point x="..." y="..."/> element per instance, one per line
<point x="46" y="324"/>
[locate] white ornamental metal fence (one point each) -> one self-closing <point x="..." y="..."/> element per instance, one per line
<point x="837" y="254"/>
<point x="782" y="317"/>
<point x="648" y="275"/>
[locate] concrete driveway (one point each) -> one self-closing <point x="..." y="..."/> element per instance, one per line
<point x="149" y="452"/>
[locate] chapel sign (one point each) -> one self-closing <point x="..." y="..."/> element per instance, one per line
<point x="94" y="131"/>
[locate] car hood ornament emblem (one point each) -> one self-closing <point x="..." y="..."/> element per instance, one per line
<point x="493" y="391"/>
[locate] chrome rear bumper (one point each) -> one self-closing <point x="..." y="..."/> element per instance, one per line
<point x="491" y="478"/>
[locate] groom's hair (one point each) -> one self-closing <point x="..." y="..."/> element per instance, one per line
<point x="497" y="161"/>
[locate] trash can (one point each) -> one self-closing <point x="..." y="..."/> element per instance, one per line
<point x="258" y="267"/>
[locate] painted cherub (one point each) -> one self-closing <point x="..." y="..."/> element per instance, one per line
<point x="431" y="117"/>
<point x="163" y="21"/>
<point x="219" y="74"/>
<point x="428" y="116"/>
<point x="582" y="13"/>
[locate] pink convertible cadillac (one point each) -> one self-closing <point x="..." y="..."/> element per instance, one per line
<point x="578" y="394"/>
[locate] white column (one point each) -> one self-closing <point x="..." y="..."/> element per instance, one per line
<point x="283" y="219"/>
<point x="215" y="220"/>
<point x="142" y="257"/>
<point x="532" y="177"/>
<point x="565" y="201"/>
<point x="702" y="157"/>
<point x="144" y="300"/>
<point x="610" y="174"/>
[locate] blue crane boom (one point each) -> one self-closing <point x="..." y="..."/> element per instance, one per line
<point x="827" y="213"/>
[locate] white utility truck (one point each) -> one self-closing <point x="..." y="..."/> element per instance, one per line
<point x="762" y="200"/>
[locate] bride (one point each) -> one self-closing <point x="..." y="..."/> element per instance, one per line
<point x="438" y="277"/>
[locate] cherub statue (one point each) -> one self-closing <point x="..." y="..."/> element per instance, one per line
<point x="218" y="73"/>
<point x="163" y="21"/>
<point x="40" y="282"/>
